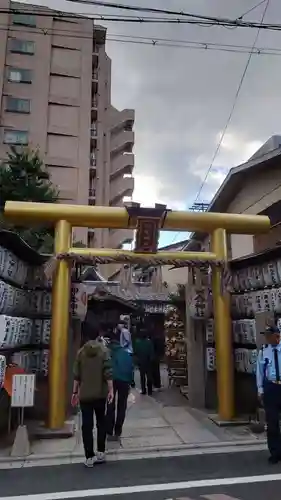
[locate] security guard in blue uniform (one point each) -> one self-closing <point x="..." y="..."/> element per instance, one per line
<point x="269" y="389"/>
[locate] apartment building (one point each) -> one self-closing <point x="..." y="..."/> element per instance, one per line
<point x="55" y="84"/>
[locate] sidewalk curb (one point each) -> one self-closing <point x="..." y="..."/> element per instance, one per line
<point x="137" y="451"/>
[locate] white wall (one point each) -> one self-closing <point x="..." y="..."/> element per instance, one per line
<point x="173" y="277"/>
<point x="241" y="245"/>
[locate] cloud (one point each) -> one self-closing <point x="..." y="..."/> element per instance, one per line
<point x="148" y="192"/>
<point x="183" y="97"/>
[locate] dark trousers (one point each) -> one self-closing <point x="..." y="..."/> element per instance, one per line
<point x="146" y="377"/>
<point x="133" y="384"/>
<point x="156" y="374"/>
<point x="115" y="419"/>
<point x="272" y="406"/>
<point x="88" y="408"/>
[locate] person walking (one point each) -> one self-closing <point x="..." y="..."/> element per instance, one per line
<point x="126" y="342"/>
<point x="122" y="371"/>
<point x="144" y="354"/>
<point x="268" y="376"/>
<point x="125" y="336"/>
<point x="159" y="352"/>
<point x="92" y="388"/>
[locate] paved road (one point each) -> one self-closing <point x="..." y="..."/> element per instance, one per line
<point x="230" y="476"/>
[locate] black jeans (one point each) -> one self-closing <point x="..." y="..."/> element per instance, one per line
<point x="146" y="377"/>
<point x="156" y="374"/>
<point x="272" y="406"/>
<point x="87" y="409"/>
<point x="115" y="420"/>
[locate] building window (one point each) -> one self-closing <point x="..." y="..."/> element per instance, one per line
<point x="17" y="105"/>
<point x="15" y="137"/>
<point x="24" y="20"/>
<point x="21" y="46"/>
<point x="19" y="75"/>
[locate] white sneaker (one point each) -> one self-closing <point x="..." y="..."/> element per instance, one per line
<point x="100" y="458"/>
<point x="89" y="462"/>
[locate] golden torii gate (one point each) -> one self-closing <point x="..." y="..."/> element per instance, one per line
<point x="65" y="217"/>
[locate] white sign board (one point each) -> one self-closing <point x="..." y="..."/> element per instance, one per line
<point x="23" y="388"/>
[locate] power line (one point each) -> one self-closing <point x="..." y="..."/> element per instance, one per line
<point x="138" y="8"/>
<point x="155" y="41"/>
<point x="115" y="18"/>
<point x="233" y="106"/>
<point x="105" y="17"/>
<point x="192" y="19"/>
<point x="218" y="21"/>
<point x="231" y="111"/>
<point x="86" y="15"/>
<point x="251" y="10"/>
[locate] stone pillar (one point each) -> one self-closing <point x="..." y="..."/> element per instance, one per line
<point x="195" y="353"/>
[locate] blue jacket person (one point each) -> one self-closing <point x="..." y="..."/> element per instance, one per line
<point x="122" y="370"/>
<point x="268" y="377"/>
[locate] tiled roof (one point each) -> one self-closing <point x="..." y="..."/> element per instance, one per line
<point x="132" y="294"/>
<point x="13" y="242"/>
<point x="174" y="247"/>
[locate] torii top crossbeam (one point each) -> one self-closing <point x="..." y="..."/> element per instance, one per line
<point x="117" y="218"/>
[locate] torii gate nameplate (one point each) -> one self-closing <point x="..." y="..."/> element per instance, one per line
<point x="149" y="222"/>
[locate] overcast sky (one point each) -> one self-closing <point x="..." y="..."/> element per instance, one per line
<point x="183" y="97"/>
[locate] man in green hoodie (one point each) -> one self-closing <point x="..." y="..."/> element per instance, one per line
<point x="92" y="387"/>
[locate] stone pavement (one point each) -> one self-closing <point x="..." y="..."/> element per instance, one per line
<point x="155" y="426"/>
<point x="162" y="424"/>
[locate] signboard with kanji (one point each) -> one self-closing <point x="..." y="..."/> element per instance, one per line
<point x="147" y="235"/>
<point x="23" y="388"/>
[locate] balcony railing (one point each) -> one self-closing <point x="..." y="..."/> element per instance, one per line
<point x="122" y="164"/>
<point x="119" y="237"/>
<point x="94" y="109"/>
<point x="129" y="126"/>
<point x="120" y="187"/>
<point x="94" y="82"/>
<point x="124" y="119"/>
<point x="123" y="141"/>
<point x="94" y="132"/>
<point x="93" y="172"/>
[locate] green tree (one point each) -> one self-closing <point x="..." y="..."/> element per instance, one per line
<point x="23" y="177"/>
